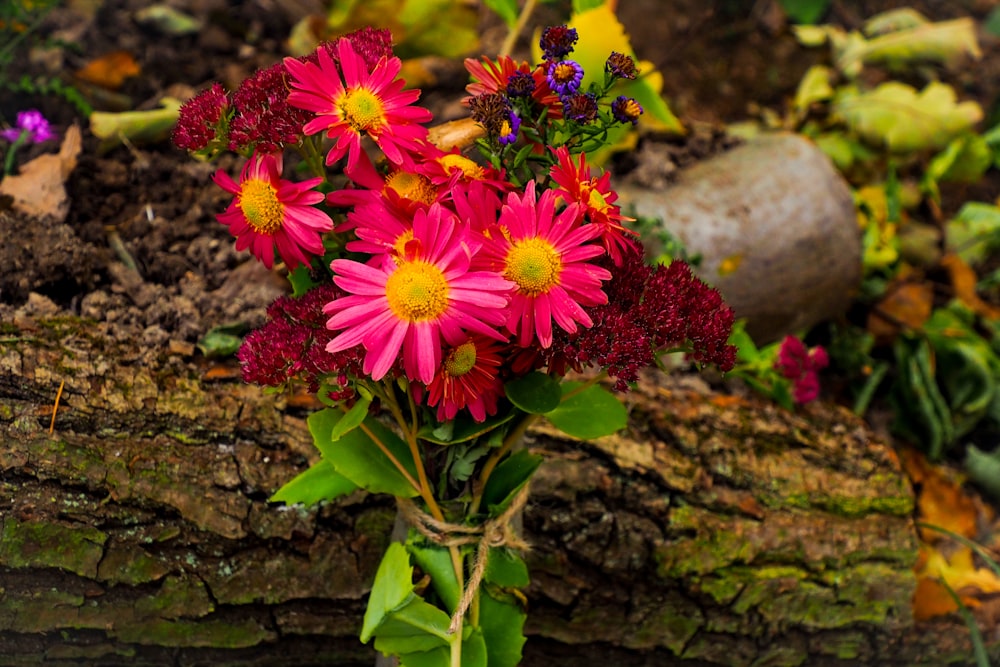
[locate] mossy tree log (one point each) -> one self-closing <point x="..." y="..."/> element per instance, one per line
<point x="715" y="531"/>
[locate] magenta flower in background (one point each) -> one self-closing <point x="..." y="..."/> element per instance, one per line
<point x="802" y="367"/>
<point x="32" y="125"/>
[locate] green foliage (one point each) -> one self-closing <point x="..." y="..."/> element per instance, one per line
<point x="320" y="481"/>
<point x="223" y="340"/>
<point x="536" y="393"/>
<point x="805" y="11"/>
<point x="138" y="127"/>
<point x="357" y="456"/>
<point x="588" y="412"/>
<point x="509" y="478"/>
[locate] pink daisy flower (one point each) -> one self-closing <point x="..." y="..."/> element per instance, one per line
<point x="545" y="255"/>
<point x="359" y="103"/>
<point x="412" y="304"/>
<point x="576" y="185"/>
<point x="468" y="379"/>
<point x="492" y="77"/>
<point x="269" y="211"/>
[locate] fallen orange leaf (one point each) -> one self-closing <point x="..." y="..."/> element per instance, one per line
<point x="963" y="281"/>
<point x="110" y="70"/>
<point x="942" y="501"/>
<point x="934" y="570"/>
<point x="905" y="305"/>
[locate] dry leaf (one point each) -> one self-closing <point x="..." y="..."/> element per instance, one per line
<point x="906" y="305"/>
<point x="459" y="133"/>
<point x="40" y="189"/>
<point x="110" y="70"/>
<point x="963" y="281"/>
<point x="941" y="501"/>
<point x="959" y="572"/>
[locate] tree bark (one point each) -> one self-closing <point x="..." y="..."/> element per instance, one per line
<point x="716" y="531"/>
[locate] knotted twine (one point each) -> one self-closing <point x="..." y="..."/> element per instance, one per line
<point x="495" y="532"/>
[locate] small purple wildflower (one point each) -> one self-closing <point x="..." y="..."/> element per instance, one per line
<point x="581" y="107"/>
<point x="620" y="66"/>
<point x="31" y="124"/>
<point x="509" y="129"/>
<point x="557" y="41"/>
<point x="626" y="110"/>
<point x="520" y="84"/>
<point x="564" y="76"/>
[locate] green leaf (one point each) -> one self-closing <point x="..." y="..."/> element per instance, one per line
<point x="391" y="589"/>
<point x="580" y="6"/>
<point x="506" y="9"/>
<point x="301" y="280"/>
<point x="320" y="481"/>
<point x="536" y="393"/>
<point x="473" y="654"/>
<point x="805" y="11"/>
<point x="351" y="420"/>
<point x="814" y="87"/>
<point x="964" y="160"/>
<point x="506" y="569"/>
<point x="589" y="413"/>
<point x="904" y="37"/>
<point x="356" y="456"/>
<point x="223" y="340"/>
<point x="416" y="626"/>
<point x="136" y="126"/>
<point x="502" y="623"/>
<point x="838" y="148"/>
<point x="974" y="232"/>
<point x="462" y="428"/>
<point x="896" y="116"/>
<point x="508" y="478"/>
<point x="983" y="469"/>
<point x="436" y="561"/>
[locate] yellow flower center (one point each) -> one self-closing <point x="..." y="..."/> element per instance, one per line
<point x="417" y="291"/>
<point x="399" y="247"/>
<point x="412" y="186"/>
<point x="461" y="360"/>
<point x="470" y="170"/>
<point x="363" y="110"/>
<point x="261" y="206"/>
<point x="563" y="72"/>
<point x="534" y="265"/>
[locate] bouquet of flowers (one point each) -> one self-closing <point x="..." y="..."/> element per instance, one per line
<point x="445" y="296"/>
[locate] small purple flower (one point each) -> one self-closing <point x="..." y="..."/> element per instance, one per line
<point x="509" y="129"/>
<point x="557" y="41"/>
<point x="32" y="125"/>
<point x="520" y="84"/>
<point x="626" y="110"/>
<point x="581" y="107"/>
<point x="620" y="66"/>
<point x="564" y="76"/>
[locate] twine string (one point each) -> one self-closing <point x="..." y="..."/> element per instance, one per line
<point x="495" y="532"/>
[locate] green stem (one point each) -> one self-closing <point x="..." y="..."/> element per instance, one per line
<point x="8" y="162"/>
<point x="514" y="436"/>
<point x="522" y="20"/>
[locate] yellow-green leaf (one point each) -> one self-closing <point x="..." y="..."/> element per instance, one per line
<point x="137" y="126"/>
<point x="896" y="116"/>
<point x="814" y="87"/>
<point x="945" y="42"/>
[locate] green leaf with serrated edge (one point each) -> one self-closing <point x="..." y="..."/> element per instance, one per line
<point x="915" y="42"/>
<point x="903" y="120"/>
<point x="436" y="561"/>
<point x="391" y="589"/>
<point x="301" y="280"/>
<point x="589" y="413"/>
<point x="320" y="481"/>
<point x="506" y="569"/>
<point x="416" y="626"/>
<point x="356" y="456"/>
<point x="502" y="622"/>
<point x="463" y="428"/>
<point x="505" y="9"/>
<point x="351" y="419"/>
<point x="508" y="478"/>
<point x="536" y="393"/>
